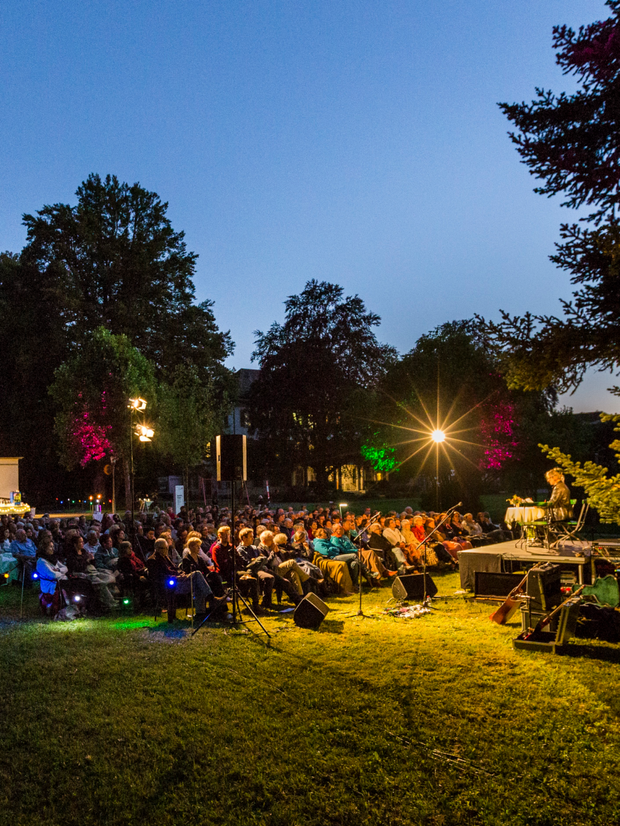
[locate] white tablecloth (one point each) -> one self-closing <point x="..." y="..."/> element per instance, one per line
<point x="524" y="515"/>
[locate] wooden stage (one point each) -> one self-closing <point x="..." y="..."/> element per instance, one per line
<point x="514" y="555"/>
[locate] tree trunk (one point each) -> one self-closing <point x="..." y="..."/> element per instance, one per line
<point x="322" y="481"/>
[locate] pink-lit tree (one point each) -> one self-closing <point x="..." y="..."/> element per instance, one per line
<point x="497" y="431"/>
<point x="91" y="391"/>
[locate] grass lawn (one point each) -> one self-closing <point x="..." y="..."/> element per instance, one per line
<point x="435" y="720"/>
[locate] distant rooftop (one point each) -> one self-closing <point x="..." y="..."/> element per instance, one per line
<point x="245" y="379"/>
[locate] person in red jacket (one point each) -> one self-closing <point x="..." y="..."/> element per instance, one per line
<point x="222" y="554"/>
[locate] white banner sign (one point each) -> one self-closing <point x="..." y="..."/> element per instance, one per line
<point x="179" y="497"/>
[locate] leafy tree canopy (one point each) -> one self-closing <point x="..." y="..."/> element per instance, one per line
<point x="91" y="391"/>
<point x="188" y="420"/>
<point x="448" y="381"/>
<point x="306" y="402"/>
<point x="572" y="144"/>
<point x="114" y="260"/>
<point x="451" y="380"/>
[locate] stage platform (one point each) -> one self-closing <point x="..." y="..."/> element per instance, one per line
<point x="507" y="557"/>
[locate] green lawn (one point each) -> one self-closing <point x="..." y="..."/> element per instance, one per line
<point x="435" y="720"/>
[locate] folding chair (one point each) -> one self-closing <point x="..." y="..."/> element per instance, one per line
<point x="570" y="529"/>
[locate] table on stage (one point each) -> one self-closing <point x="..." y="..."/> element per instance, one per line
<point x="524" y="514"/>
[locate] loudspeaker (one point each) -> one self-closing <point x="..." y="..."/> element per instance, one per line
<point x="494" y="584"/>
<point x="231" y="458"/>
<point x="411" y="586"/>
<point x="544" y="586"/>
<point x="310" y="612"/>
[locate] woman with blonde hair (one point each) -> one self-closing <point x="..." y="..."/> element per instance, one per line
<point x="559" y="503"/>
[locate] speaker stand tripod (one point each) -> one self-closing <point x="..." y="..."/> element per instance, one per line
<point x="236" y="595"/>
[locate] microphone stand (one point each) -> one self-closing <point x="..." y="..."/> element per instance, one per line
<point x="425" y="540"/>
<point x="375" y="518"/>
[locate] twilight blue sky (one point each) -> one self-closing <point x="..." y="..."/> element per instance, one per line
<point x="346" y="140"/>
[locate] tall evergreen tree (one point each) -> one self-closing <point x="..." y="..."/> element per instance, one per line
<point x="572" y="144"/>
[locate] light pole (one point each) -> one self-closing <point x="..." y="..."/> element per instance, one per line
<point x="342" y="505"/>
<point x="113" y="463"/>
<point x="438" y="436"/>
<point x="135" y="405"/>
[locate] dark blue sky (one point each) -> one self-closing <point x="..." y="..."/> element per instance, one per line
<point x="355" y="142"/>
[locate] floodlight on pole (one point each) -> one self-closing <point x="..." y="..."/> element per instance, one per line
<point x="136" y="405"/>
<point x="144" y="432"/>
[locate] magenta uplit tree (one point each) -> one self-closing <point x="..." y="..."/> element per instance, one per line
<point x="92" y="390"/>
<point x="497" y="432"/>
<point x="90" y="437"/>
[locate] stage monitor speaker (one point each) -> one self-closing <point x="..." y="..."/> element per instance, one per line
<point x="231" y="458"/>
<point x="411" y="586"/>
<point x="310" y="612"/>
<point x="494" y="584"/>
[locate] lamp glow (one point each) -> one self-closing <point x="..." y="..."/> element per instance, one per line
<point x="172" y="583"/>
<point x="144" y="432"/>
<point x="137" y="404"/>
<point x="438" y="436"/>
